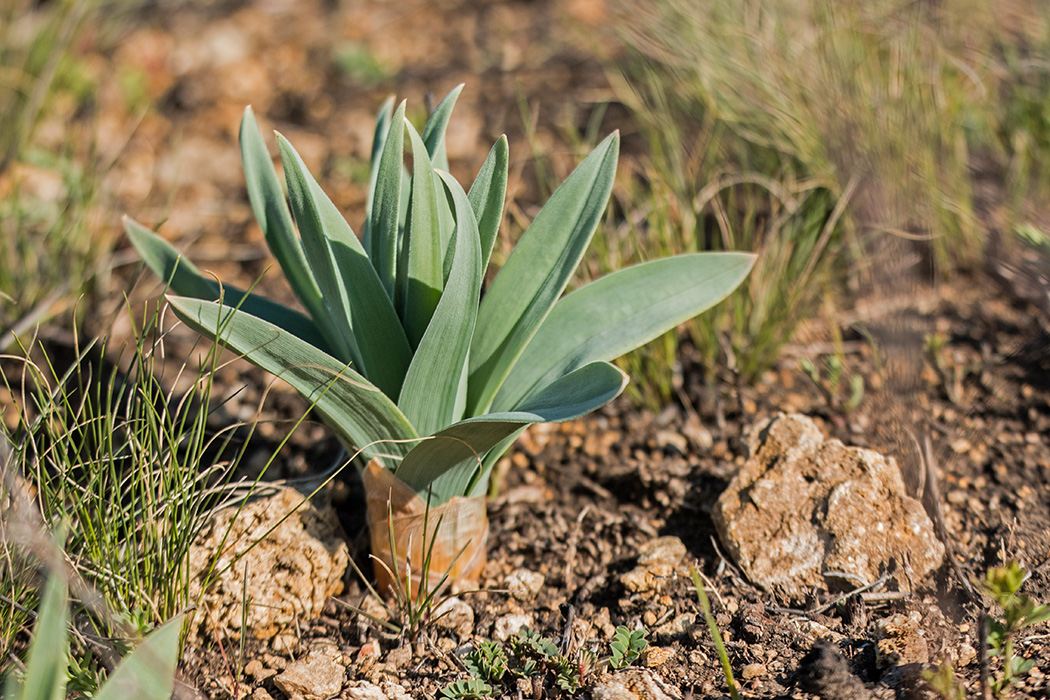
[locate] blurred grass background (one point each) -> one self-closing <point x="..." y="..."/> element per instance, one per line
<point x="827" y="137"/>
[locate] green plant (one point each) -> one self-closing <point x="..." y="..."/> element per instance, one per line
<point x="716" y="636"/>
<point x="136" y="467"/>
<point x="487" y="661"/>
<point x="467" y="689"/>
<point x="1003" y="585"/>
<point x="626" y="647"/>
<point x="831" y="381"/>
<point x="943" y="682"/>
<point x="148" y="672"/>
<point x="397" y="355"/>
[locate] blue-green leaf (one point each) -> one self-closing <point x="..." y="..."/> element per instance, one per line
<point x="383" y="349"/>
<point x="383" y="116"/>
<point x="537" y="271"/>
<point x="319" y="253"/>
<point x="45" y="676"/>
<point x="487" y="196"/>
<point x="148" y="673"/>
<point x="271" y="211"/>
<point x="620" y="312"/>
<point x="386" y="203"/>
<point x="429" y="395"/>
<point x="450" y="462"/>
<point x="434" y="129"/>
<point x="183" y="278"/>
<point x="421" y="257"/>
<point x="357" y="410"/>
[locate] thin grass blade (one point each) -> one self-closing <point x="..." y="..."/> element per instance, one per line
<point x="487" y="196"/>
<point x="537" y="272"/>
<point x="620" y="312"/>
<point x="383" y="349"/>
<point x="450" y="463"/>
<point x="353" y="407"/>
<point x="429" y="395"/>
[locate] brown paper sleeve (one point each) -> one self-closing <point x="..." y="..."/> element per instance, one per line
<point x="456" y="534"/>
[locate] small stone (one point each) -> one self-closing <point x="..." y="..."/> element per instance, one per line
<point x="256" y="670"/>
<point x="364" y="690"/>
<point x="657" y="560"/>
<point x="261" y="694"/>
<point x="634" y="684"/>
<point x="658" y="656"/>
<point x="524" y="584"/>
<point x="509" y="625"/>
<point x="680" y="625"/>
<point x="901" y="641"/>
<point x="454" y="614"/>
<point x="400" y="657"/>
<point x="316" y="677"/>
<point x="671" y="440"/>
<point x="753" y="671"/>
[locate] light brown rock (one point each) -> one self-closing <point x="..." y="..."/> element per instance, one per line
<point x="509" y="625"/>
<point x="901" y="641"/>
<point x="634" y="684"/>
<point x="291" y="571"/>
<point x="318" y="676"/>
<point x="802" y="505"/>
<point x="658" y="559"/>
<point x="364" y="690"/>
<point x="454" y="614"/>
<point x="524" y="584"/>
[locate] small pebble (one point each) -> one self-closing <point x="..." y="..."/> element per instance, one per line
<point x="753" y="671"/>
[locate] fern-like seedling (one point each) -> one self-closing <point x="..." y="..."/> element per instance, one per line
<point x="467" y="689"/>
<point x="626" y="647"/>
<point x="487" y="662"/>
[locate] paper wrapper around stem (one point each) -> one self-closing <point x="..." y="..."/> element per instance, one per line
<point x="455" y="537"/>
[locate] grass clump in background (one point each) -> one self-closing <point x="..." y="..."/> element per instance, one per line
<point x="822" y="135"/>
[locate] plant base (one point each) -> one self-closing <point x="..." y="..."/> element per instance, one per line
<point x="424" y="548"/>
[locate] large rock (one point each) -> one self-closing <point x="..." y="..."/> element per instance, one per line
<point x="802" y="505"/>
<point x="292" y="566"/>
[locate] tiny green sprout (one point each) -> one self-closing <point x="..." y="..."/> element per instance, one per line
<point x="943" y="682"/>
<point x="467" y="689"/>
<point x="487" y="662"/>
<point x="627" y="647"/>
<point x="1003" y="584"/>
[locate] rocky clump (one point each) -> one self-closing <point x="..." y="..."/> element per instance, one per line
<point x="288" y="568"/>
<point x="806" y="512"/>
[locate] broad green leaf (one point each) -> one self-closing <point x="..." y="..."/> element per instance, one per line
<point x="450" y="463"/>
<point x="421" y="276"/>
<point x="434" y="129"/>
<point x="487" y="196"/>
<point x="357" y="410"/>
<point x="537" y="271"/>
<point x="148" y="673"/>
<point x="271" y="211"/>
<point x="45" y="676"/>
<point x="429" y="395"/>
<point x="383" y="116"/>
<point x="183" y="278"/>
<point x="382" y="347"/>
<point x="386" y="203"/>
<point x="620" y="312"/>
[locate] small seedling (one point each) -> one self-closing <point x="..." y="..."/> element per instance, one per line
<point x="943" y="682"/>
<point x="487" y="662"/>
<point x="467" y="689"/>
<point x="716" y="636"/>
<point x="627" y="647"/>
<point x="832" y="383"/>
<point x="1002" y="584"/>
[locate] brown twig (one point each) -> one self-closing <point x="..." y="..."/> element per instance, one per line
<point x="570" y="556"/>
<point x="929" y="463"/>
